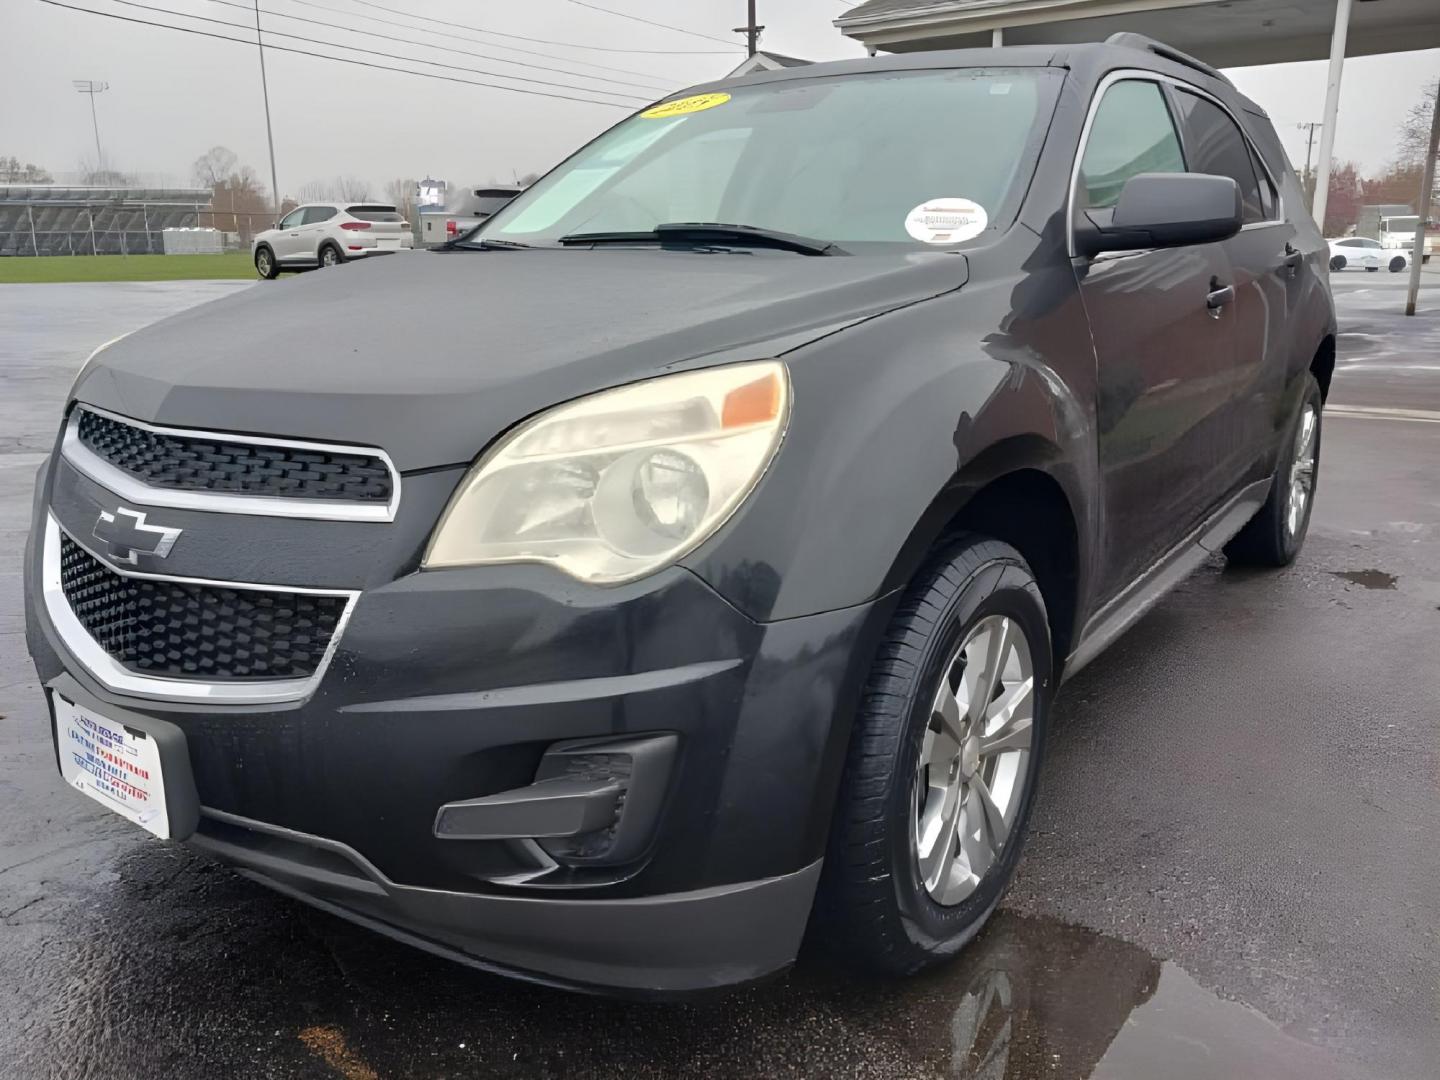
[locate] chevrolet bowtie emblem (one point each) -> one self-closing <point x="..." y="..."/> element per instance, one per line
<point x="127" y="537"/>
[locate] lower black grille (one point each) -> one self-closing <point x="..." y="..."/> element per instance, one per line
<point x="193" y="463"/>
<point x="210" y="632"/>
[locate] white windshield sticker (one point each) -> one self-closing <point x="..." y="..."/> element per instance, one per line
<point x="946" y="221"/>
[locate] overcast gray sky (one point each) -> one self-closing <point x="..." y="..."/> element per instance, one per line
<point x="174" y="95"/>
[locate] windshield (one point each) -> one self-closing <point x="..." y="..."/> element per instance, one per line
<point x="881" y="160"/>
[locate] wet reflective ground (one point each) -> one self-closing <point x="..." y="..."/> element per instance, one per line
<point x="1232" y="874"/>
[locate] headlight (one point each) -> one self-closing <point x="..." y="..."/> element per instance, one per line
<point x="616" y="485"/>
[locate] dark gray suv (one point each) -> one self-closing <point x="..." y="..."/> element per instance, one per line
<point x="708" y="574"/>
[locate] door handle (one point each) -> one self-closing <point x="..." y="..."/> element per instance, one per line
<point x="1218" y="297"/>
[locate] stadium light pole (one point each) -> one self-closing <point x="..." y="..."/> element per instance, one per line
<point x="93" y="87"/>
<point x="265" y="91"/>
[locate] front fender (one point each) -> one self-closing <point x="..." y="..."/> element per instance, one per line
<point x="896" y="423"/>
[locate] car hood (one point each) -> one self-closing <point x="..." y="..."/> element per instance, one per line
<point x="430" y="356"/>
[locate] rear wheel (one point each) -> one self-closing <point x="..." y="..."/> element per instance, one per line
<point x="1275" y="535"/>
<point x="265" y="264"/>
<point x="940" y="779"/>
<point x="330" y="255"/>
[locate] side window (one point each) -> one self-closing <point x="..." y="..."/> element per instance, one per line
<point x="1132" y="133"/>
<point x="292" y="219"/>
<point x="316" y="214"/>
<point x="1214" y="145"/>
<point x="1269" y="199"/>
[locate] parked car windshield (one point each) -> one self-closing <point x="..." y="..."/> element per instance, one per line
<point x="849" y="160"/>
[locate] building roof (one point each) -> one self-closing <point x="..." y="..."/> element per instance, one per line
<point x="1244" y="32"/>
<point x="766" y="61"/>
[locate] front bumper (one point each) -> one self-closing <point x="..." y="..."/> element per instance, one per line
<point x="451" y="685"/>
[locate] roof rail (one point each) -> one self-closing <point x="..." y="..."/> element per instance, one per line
<point x="1159" y="48"/>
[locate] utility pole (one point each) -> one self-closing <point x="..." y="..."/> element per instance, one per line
<point x="750" y="30"/>
<point x="265" y="90"/>
<point x="1320" y="202"/>
<point x="1309" y="179"/>
<point x="92" y="87"/>
<point x="1427" y="186"/>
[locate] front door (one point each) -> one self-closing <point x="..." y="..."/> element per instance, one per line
<point x="289" y="241"/>
<point x="1164" y="336"/>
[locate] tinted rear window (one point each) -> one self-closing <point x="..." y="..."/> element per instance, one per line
<point x="374" y="213"/>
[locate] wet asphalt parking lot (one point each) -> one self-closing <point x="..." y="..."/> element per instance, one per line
<point x="1232" y="873"/>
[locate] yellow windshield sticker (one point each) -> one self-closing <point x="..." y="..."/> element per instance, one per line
<point x="685" y="105"/>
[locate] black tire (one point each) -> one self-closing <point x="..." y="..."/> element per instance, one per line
<point x="1267" y="540"/>
<point x="873" y="911"/>
<point x="1397" y="264"/>
<point x="265" y="264"/>
<point x="330" y="255"/>
<point x="1337" y="262"/>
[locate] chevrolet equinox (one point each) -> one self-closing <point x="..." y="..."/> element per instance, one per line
<point x="705" y="578"/>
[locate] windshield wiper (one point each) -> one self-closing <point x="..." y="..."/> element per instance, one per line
<point x="483" y="243"/>
<point x="702" y="233"/>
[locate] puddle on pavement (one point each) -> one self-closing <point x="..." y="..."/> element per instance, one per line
<point x="229" y="979"/>
<point x="1369" y="579"/>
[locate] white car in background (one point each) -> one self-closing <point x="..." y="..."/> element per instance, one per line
<point x="327" y="234"/>
<point x="1360" y="252"/>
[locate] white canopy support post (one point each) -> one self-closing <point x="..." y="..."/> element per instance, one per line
<point x="1332" y="109"/>
<point x="1427" y="186"/>
<point x="30" y="213"/>
<point x="997" y="37"/>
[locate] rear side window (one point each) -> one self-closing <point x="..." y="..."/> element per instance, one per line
<point x="316" y="214"/>
<point x="374" y="213"/>
<point x="1214" y="145"/>
<point x="1132" y="133"/>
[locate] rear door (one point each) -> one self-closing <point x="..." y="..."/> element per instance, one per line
<point x="314" y="231"/>
<point x="1165" y="358"/>
<point x="1266" y="265"/>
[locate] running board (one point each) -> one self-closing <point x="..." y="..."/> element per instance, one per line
<point x="1145" y="592"/>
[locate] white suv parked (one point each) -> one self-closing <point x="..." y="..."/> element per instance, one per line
<point x="326" y="234"/>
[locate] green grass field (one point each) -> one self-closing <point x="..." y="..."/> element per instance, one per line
<point x="20" y="269"/>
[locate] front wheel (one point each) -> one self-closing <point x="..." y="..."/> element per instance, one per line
<point x="1274" y="536"/>
<point x="265" y="264"/>
<point x="940" y="779"/>
<point x="1397" y="264"/>
<point x="1337" y="262"/>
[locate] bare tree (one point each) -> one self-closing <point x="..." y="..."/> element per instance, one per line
<point x="214" y="167"/>
<point x="400" y="193"/>
<point x="1415" y="130"/>
<point x="12" y="172"/>
<point x="338" y="188"/>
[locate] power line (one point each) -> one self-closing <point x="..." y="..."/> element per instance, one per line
<point x="336" y="59"/>
<point x="419" y="44"/>
<point x="548" y="41"/>
<point x="377" y="52"/>
<point x="647" y="22"/>
<point x="477" y="41"/>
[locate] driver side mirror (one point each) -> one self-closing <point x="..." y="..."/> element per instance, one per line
<point x="1163" y="210"/>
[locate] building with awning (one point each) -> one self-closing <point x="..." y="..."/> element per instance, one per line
<point x="1224" y="33"/>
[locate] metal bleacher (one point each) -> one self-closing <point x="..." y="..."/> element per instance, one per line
<point x="47" y="219"/>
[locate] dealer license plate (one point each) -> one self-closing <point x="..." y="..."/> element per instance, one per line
<point x="117" y="766"/>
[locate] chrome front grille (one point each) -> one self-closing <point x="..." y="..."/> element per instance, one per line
<point x="230" y="473"/>
<point x="189" y="639"/>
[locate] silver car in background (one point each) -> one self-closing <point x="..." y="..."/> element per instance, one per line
<point x="327" y="234"/>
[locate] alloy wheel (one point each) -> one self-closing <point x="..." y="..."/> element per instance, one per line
<point x="974" y="759"/>
<point x="1302" y="470"/>
<point x="327" y="257"/>
<point x="262" y="263"/>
